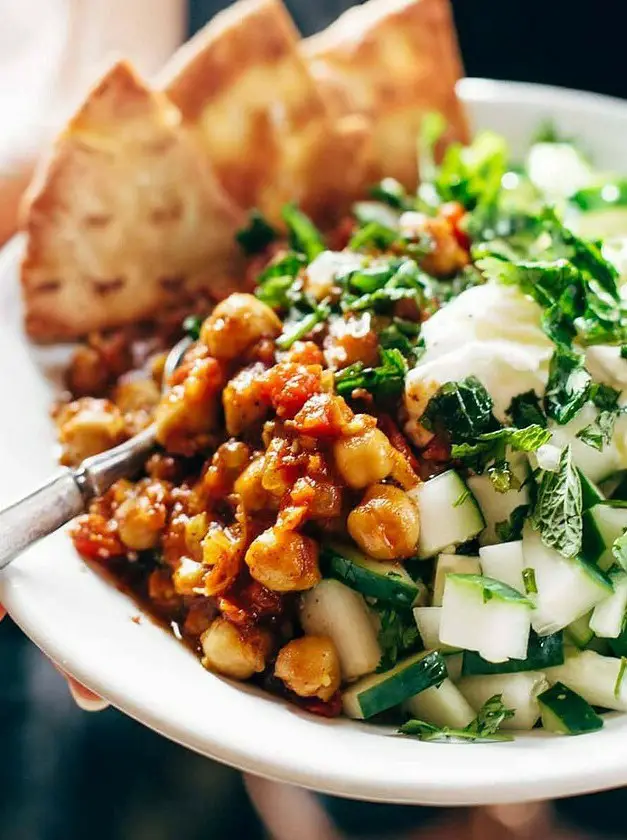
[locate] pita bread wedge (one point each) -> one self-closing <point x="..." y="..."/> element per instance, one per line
<point x="243" y="86"/>
<point x="126" y="218"/>
<point x="391" y="61"/>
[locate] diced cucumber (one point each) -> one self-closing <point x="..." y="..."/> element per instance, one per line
<point x="454" y="662"/>
<point x="379" y="692"/>
<point x="548" y="456"/>
<point x="591" y="494"/>
<point x="497" y="507"/>
<point x="594" y="464"/>
<point x="442" y="705"/>
<point x="619" y="489"/>
<point x="520" y="692"/>
<point x="567" y="589"/>
<point x="542" y="652"/>
<point x="618" y="646"/>
<point x="504" y="562"/>
<point x="428" y="623"/>
<point x="332" y="609"/>
<point x="609" y="615"/>
<point x="449" y="514"/>
<point x="602" y="524"/>
<point x="485" y="615"/>
<point x="448" y="564"/>
<point x="385" y="581"/>
<point x="599" y="679"/>
<point x="566" y="713"/>
<point x="578" y="632"/>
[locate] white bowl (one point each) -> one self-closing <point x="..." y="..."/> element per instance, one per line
<point x="85" y="624"/>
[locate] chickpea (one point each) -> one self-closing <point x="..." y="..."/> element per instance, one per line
<point x="136" y="394"/>
<point x="141" y="518"/>
<point x="309" y="667"/>
<point x="385" y="524"/>
<point x="447" y="256"/>
<point x="250" y="489"/>
<point x="351" y="339"/>
<point x="188" y="577"/>
<point x="283" y="561"/>
<point x="236" y="323"/>
<point x="364" y="458"/>
<point x="243" y="400"/>
<point x="88" y="426"/>
<point x="233" y="651"/>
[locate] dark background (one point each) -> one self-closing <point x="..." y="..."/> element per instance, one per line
<point x="68" y="775"/>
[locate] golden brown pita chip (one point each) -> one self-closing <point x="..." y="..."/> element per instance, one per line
<point x="391" y="61"/>
<point x="243" y="86"/>
<point x="125" y="219"/>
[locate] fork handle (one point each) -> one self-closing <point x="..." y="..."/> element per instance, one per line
<point x="39" y="514"/>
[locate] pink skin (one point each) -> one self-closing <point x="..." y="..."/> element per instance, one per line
<point x="84" y="698"/>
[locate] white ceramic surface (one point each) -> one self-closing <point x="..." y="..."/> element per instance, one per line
<point x="85" y="624"/>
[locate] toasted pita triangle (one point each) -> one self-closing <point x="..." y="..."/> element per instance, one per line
<point x="125" y="219"/>
<point x="391" y="61"/>
<point x="244" y="88"/>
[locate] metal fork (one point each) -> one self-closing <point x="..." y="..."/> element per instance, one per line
<point x="67" y="494"/>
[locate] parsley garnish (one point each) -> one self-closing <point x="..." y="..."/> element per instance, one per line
<point x="257" y="235"/>
<point x="398" y="635"/>
<point x="385" y="381"/>
<point x="304" y="235"/>
<point x="557" y="514"/>
<point x="484" y="727"/>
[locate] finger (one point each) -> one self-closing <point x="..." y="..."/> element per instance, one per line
<point x="84" y="698"/>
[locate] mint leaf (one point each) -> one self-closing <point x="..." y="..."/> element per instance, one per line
<point x="511" y="529"/>
<point x="462" y="409"/>
<point x="557" y="513"/>
<point x="525" y="410"/>
<point x="599" y="433"/>
<point x="385" y="381"/>
<point x="568" y="388"/>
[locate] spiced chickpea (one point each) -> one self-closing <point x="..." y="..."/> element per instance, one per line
<point x="88" y="426"/>
<point x="249" y="487"/>
<point x="351" y="339"/>
<point x="447" y="256"/>
<point x="365" y="457"/>
<point x="385" y="524"/>
<point x="236" y="323"/>
<point x="234" y="652"/>
<point x="142" y="515"/>
<point x="283" y="560"/>
<point x="309" y="667"/>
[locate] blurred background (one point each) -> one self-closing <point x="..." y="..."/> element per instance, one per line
<point x="70" y="775"/>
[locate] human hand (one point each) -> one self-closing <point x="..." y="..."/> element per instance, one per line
<point x="84" y="698"/>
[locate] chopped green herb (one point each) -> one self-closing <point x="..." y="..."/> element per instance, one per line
<point x="304" y="235"/>
<point x="529" y="579"/>
<point x="599" y="433"/>
<point x="525" y="410"/>
<point x="462" y="409"/>
<point x="511" y="529"/>
<point x="398" y="634"/>
<point x="472" y="174"/>
<point x="373" y="235"/>
<point x="623" y="351"/>
<point x="557" y="513"/>
<point x="432" y="128"/>
<point x="619" y="550"/>
<point x="568" y="388"/>
<point x="484" y="727"/>
<point x="192" y="325"/>
<point x="619" y="678"/>
<point x="275" y="282"/>
<point x="385" y="381"/>
<point x="391" y="192"/>
<point x="257" y="235"/>
<point x="295" y="330"/>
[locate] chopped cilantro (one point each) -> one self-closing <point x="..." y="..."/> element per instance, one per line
<point x="294" y="330"/>
<point x="472" y="174"/>
<point x="557" y="513"/>
<point x="373" y="235"/>
<point x="275" y="282"/>
<point x="484" y="727"/>
<point x="257" y="235"/>
<point x="304" y="235"/>
<point x="398" y="634"/>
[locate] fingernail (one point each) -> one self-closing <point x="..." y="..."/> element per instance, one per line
<point x="86" y="699"/>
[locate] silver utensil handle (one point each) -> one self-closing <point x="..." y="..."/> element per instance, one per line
<point x="39" y="514"/>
